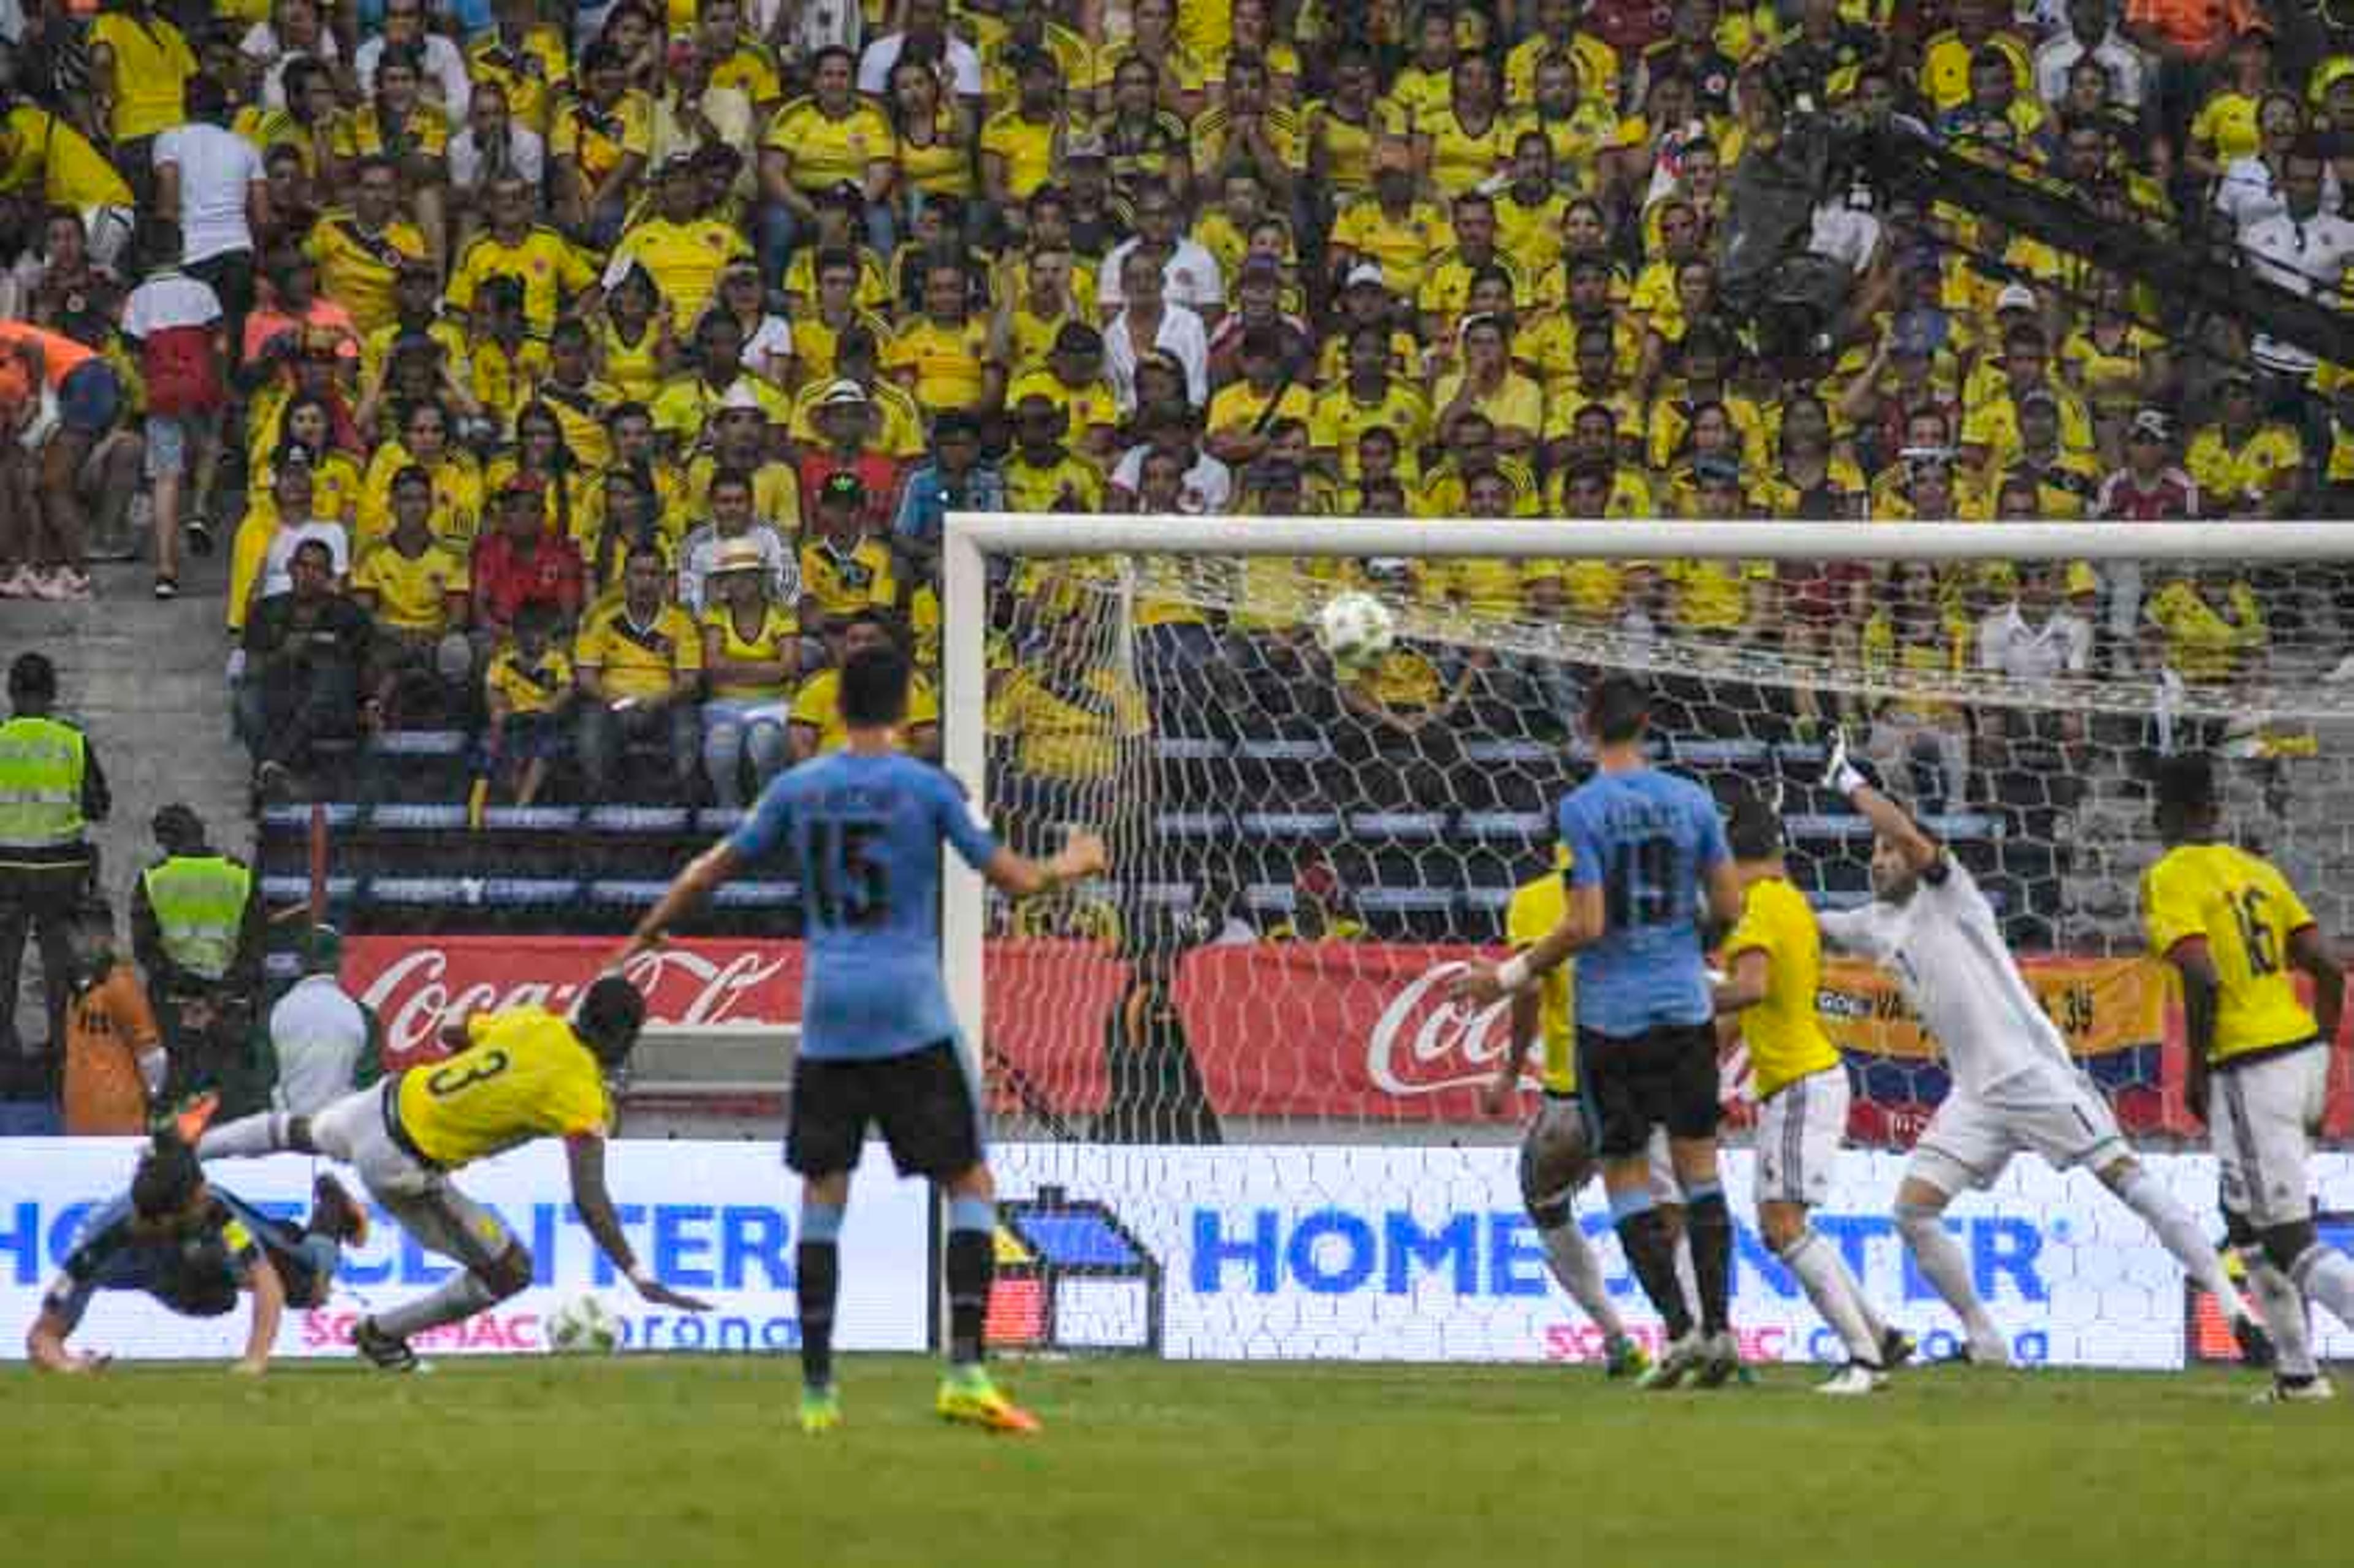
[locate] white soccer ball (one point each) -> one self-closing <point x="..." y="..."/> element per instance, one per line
<point x="1355" y="630"/>
<point x="584" y="1326"/>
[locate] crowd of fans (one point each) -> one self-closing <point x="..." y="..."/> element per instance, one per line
<point x="592" y="377"/>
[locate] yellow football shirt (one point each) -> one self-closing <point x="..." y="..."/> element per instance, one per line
<point x="685" y="259"/>
<point x="947" y="362"/>
<point x="356" y="270"/>
<point x="2247" y="912"/>
<point x="548" y="265"/>
<point x="819" y="705"/>
<point x="639" y="662"/>
<point x="153" y="64"/>
<point x="1537" y="906"/>
<point x="1069" y="734"/>
<point x="841" y="581"/>
<point x="1783" y="1034"/>
<point x="530" y="686"/>
<point x="827" y="151"/>
<point x="527" y="1076"/>
<point x="597" y="140"/>
<point x="411" y="592"/>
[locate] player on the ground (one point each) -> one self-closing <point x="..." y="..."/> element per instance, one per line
<point x="195" y="1247"/>
<point x="1774" y="964"/>
<point x="524" y="1074"/>
<point x="862" y="827"/>
<point x="2238" y="933"/>
<point x="2015" y="1086"/>
<point x="1641" y="844"/>
<point x="1557" y="1152"/>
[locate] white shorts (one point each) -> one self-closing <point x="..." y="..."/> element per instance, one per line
<point x="2051" y="1111"/>
<point x="357" y="1131"/>
<point x="2261" y="1119"/>
<point x="1557" y="1154"/>
<point x="1801" y="1128"/>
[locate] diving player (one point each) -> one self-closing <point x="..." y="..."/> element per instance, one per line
<point x="526" y="1074"/>
<point x="2015" y="1086"/>
<point x="863" y="828"/>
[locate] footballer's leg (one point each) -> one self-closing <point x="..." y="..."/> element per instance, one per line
<point x="1798" y="1142"/>
<point x="2182" y="1236"/>
<point x="830" y="1116"/>
<point x="1611" y="1071"/>
<point x="2259" y="1114"/>
<point x="930" y="1108"/>
<point x="2295" y="1375"/>
<point x="1556" y="1160"/>
<point x="1691" y="1113"/>
<point x="1964" y="1146"/>
<point x="494" y="1264"/>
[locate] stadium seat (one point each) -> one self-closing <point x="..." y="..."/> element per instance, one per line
<point x="417" y="819"/>
<point x="639" y="821"/>
<point x="1312" y="826"/>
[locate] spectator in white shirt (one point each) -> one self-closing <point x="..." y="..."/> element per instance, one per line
<point x="295" y="30"/>
<point x="1147" y="321"/>
<point x="2092" y="30"/>
<point x="443" y="79"/>
<point x="1188" y="274"/>
<point x="2033" y="639"/>
<point x="2304" y="249"/>
<point x="925" y="26"/>
<point x="211" y="182"/>
<point x="491" y="147"/>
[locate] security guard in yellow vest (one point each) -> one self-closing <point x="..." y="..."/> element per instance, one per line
<point x="50" y="791"/>
<point x="197" y="925"/>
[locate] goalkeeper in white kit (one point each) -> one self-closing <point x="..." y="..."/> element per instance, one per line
<point x="2015" y="1086"/>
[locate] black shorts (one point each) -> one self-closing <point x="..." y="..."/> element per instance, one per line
<point x="1663" y="1076"/>
<point x="923" y="1101"/>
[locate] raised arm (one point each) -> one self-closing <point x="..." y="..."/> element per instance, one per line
<point x="585" y="1153"/>
<point x="707" y="872"/>
<point x="1888" y="819"/>
<point x="1019" y="876"/>
<point x="268" y="1307"/>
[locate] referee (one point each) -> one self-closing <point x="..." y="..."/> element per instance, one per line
<point x="51" y="789"/>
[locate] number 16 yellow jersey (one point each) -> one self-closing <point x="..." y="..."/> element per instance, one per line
<point x="2247" y="912"/>
<point x="527" y="1076"/>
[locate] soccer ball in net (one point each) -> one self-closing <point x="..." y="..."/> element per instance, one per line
<point x="584" y="1326"/>
<point x="1355" y="630"/>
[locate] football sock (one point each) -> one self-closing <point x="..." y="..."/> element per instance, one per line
<point x="817" y="1277"/>
<point x="2326" y="1275"/>
<point x="1710" y="1223"/>
<point x="1824" y="1275"/>
<point x="247" y="1138"/>
<point x="1643" y="1236"/>
<point x="2180" y="1235"/>
<point x="461" y="1295"/>
<point x="1573" y="1263"/>
<point x="2281" y="1307"/>
<point x="971" y="1266"/>
<point x="1945" y="1269"/>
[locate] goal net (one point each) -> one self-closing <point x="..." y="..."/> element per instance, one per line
<point x="1234" y="1056"/>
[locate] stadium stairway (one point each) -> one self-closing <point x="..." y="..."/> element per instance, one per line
<point x="146" y="680"/>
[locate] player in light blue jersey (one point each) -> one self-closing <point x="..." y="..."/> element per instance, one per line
<point x="1648" y="859"/>
<point x="862" y="829"/>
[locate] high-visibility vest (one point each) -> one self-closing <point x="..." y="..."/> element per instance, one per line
<point x="42" y="763"/>
<point x="199" y="902"/>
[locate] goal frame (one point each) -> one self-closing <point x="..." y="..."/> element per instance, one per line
<point x="971" y="538"/>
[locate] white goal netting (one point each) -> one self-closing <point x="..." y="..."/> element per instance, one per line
<point x="1303" y="855"/>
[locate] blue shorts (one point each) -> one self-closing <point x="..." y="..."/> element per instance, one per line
<point x="89" y="398"/>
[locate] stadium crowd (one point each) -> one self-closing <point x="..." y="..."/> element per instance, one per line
<point x="595" y="377"/>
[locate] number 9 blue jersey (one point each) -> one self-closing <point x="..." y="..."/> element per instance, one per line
<point x="862" y="835"/>
<point x="1648" y="838"/>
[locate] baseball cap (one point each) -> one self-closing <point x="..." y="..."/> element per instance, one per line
<point x="2039" y="397"/>
<point x="955" y="422"/>
<point x="1084" y="144"/>
<point x="1077" y="337"/>
<point x="842" y="394"/>
<point x="2015" y="297"/>
<point x="740" y="398"/>
<point x="1318" y="880"/>
<point x="842" y="488"/>
<point x="2149" y="425"/>
<point x="1366" y="274"/>
<point x="523" y="484"/>
<point x="1261" y="269"/>
<point x="1717" y="469"/>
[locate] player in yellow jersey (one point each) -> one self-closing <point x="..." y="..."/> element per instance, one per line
<point x="522" y="1074"/>
<point x="1774" y="964"/>
<point x="2238" y="934"/>
<point x="1557" y="1154"/>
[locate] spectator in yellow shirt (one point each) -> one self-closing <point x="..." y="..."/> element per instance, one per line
<point x="419" y="595"/>
<point x="527" y="693"/>
<point x="2246" y="465"/>
<point x="639" y="662"/>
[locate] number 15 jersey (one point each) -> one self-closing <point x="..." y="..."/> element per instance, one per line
<point x="1647" y="838"/>
<point x="862" y="833"/>
<point x="2247" y="912"/>
<point x="526" y="1075"/>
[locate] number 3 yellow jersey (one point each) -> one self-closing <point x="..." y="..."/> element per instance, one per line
<point x="1535" y="909"/>
<point x="1783" y="1034"/>
<point x="526" y="1075"/>
<point x="2247" y="912"/>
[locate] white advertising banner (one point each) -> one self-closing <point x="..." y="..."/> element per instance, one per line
<point x="1385" y="1254"/>
<point x="715" y="1220"/>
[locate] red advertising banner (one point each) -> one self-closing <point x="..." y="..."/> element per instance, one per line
<point x="1349" y="1030"/>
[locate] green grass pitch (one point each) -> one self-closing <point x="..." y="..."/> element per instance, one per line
<point x="694" y="1463"/>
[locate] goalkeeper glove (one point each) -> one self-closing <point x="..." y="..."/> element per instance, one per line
<point x="1839" y="773"/>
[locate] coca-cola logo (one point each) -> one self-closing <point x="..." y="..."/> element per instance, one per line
<point x="1423" y="1043"/>
<point x="416" y="992"/>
